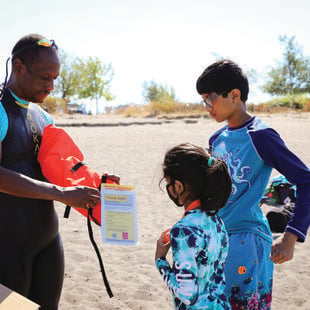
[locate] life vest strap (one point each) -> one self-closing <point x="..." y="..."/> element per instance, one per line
<point x="77" y="166"/>
<point x="73" y="169"/>
<point x="91" y="237"/>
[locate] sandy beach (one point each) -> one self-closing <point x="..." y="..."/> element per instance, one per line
<point x="134" y="149"/>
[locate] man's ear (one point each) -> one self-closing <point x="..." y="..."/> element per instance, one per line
<point x="18" y="67"/>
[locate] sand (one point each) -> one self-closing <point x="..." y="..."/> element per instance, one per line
<point x="134" y="149"/>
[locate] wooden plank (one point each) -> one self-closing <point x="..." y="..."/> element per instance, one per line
<point x="10" y="300"/>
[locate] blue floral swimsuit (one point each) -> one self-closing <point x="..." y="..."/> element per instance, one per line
<point x="199" y="246"/>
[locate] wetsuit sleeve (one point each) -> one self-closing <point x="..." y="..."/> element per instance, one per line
<point x="4" y="123"/>
<point x="182" y="278"/>
<point x="273" y="151"/>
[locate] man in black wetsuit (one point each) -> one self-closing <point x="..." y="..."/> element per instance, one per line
<point x="31" y="258"/>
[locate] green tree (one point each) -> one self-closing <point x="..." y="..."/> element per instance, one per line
<point x="153" y="91"/>
<point x="292" y="74"/>
<point x="67" y="83"/>
<point x="94" y="79"/>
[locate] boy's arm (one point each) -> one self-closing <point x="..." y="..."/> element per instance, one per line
<point x="273" y="151"/>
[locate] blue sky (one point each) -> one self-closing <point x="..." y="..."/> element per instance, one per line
<point x="169" y="41"/>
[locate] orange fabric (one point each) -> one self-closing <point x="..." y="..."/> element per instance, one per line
<point x="57" y="155"/>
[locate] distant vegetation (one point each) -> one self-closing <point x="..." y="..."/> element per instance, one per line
<point x="288" y="83"/>
<point x="155" y="108"/>
<point x="297" y="103"/>
<point x="291" y="76"/>
<point x="286" y="104"/>
<point x="80" y="79"/>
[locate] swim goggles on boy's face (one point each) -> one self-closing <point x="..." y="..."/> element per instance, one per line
<point x="208" y="101"/>
<point x="42" y="42"/>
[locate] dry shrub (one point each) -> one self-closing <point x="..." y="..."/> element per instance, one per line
<point x="54" y="104"/>
<point x="283" y="104"/>
<point x="131" y="110"/>
<point x="173" y="107"/>
<point x="306" y="106"/>
<point x="162" y="107"/>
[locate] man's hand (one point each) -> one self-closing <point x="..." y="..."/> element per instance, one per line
<point x="283" y="248"/>
<point x="81" y="197"/>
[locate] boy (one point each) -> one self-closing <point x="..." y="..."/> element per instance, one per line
<point x="251" y="150"/>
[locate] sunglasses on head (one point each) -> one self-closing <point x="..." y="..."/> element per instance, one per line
<point x="42" y="42"/>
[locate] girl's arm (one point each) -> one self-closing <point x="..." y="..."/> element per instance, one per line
<point x="181" y="279"/>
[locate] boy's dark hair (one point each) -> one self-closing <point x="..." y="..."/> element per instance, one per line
<point x="207" y="180"/>
<point x="221" y="77"/>
<point x="26" y="49"/>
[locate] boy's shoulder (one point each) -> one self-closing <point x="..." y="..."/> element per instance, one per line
<point x="257" y="124"/>
<point x="257" y="129"/>
<point x="252" y="125"/>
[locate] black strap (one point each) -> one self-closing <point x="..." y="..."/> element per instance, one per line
<point x="90" y="233"/>
<point x="77" y="166"/>
<point x="3" y="85"/>
<point x="73" y="169"/>
<point x="91" y="237"/>
<point x="104" y="178"/>
<point x="67" y="212"/>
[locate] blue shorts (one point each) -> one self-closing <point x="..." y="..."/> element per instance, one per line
<point x="249" y="272"/>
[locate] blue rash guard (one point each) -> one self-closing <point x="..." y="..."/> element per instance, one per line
<point x="199" y="246"/>
<point x="4" y="122"/>
<point x="251" y="151"/>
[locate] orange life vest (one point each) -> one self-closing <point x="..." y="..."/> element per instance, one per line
<point x="61" y="164"/>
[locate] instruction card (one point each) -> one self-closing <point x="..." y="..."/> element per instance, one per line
<point x="118" y="214"/>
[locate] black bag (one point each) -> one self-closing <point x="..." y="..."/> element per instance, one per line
<point x="278" y="217"/>
<point x="280" y="195"/>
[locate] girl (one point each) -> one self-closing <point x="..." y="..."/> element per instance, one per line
<point x="199" y="241"/>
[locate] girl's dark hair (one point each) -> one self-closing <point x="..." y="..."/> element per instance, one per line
<point x="221" y="77"/>
<point x="207" y="180"/>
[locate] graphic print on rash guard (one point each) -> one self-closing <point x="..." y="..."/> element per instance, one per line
<point x="250" y="152"/>
<point x="199" y="245"/>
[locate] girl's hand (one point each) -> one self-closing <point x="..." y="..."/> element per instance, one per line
<point x="161" y="249"/>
